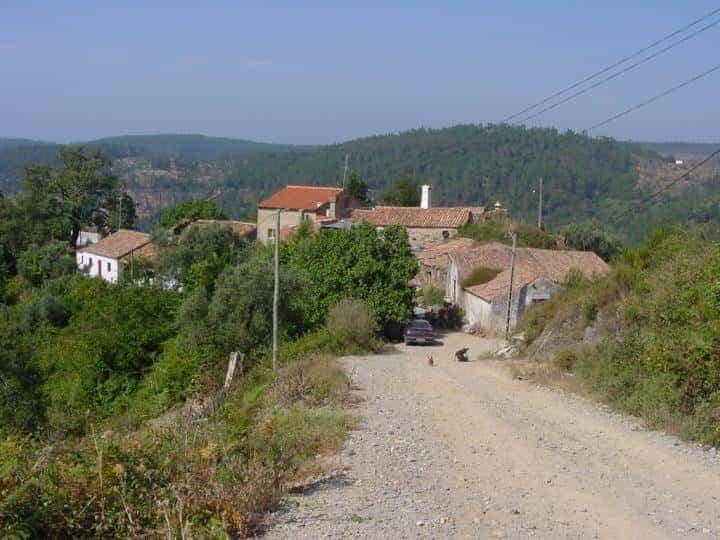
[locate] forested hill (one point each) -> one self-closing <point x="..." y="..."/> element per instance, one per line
<point x="584" y="178"/>
<point x="194" y="147"/>
<point x="470" y="164"/>
<point x="16" y="143"/>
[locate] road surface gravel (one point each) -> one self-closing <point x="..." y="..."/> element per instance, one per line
<point x="467" y="451"/>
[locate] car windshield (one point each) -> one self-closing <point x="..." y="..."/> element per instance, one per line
<point x="420" y="325"/>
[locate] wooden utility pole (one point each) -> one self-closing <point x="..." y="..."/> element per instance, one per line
<point x="276" y="294"/>
<point x="345" y="169"/>
<point x="510" y="289"/>
<point x="540" y="203"/>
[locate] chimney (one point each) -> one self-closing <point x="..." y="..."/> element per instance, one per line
<point x="425" y="197"/>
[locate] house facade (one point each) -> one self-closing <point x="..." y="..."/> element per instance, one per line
<point x="107" y="258"/>
<point x="314" y="203"/>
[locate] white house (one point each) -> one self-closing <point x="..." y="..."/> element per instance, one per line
<point x="106" y="258"/>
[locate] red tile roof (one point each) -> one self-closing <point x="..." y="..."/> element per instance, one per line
<point x="308" y="198"/>
<point x="118" y="244"/>
<point x="412" y="216"/>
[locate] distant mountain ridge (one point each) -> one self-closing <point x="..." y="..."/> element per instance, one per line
<point x="678" y="148"/>
<point x="6" y="142"/>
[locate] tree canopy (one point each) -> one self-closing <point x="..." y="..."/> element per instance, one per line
<point x="191" y="209"/>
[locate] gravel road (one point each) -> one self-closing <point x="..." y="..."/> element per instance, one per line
<point x="466" y="451"/>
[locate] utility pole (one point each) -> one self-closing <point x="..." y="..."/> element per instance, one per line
<point x="277" y="291"/>
<point x="120" y="210"/>
<point x="345" y="169"/>
<point x="540" y="203"/>
<point x="510" y="290"/>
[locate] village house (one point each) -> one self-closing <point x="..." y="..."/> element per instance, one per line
<point x="538" y="274"/>
<point x="108" y="257"/>
<point x="314" y="203"/>
<point x="426" y="225"/>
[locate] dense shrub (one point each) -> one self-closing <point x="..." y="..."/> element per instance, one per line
<point x="480" y="275"/>
<point x="352" y="322"/>
<point x="432" y="296"/>
<point x="42" y="262"/>
<point x="663" y="363"/>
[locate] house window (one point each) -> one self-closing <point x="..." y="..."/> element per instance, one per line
<point x="446" y="234"/>
<point x="90" y="264"/>
<point x="271" y="233"/>
<point x="82" y="259"/>
<point x="108" y="267"/>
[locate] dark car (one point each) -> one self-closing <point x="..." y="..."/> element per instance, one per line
<point x="419" y="331"/>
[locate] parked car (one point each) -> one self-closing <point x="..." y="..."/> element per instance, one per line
<point x="419" y="331"/>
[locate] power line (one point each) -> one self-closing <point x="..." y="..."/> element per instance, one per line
<point x="613" y="66"/>
<point x="621" y="72"/>
<point x="654" y="98"/>
<point x="680" y="178"/>
<point x="648" y="198"/>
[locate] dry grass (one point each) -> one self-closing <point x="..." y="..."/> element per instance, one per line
<point x="548" y="374"/>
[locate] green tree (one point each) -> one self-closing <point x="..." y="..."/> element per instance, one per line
<point x="191" y="209"/>
<point x="592" y="236"/>
<point x="58" y="201"/>
<point x="357" y="188"/>
<point x="405" y="192"/>
<point x="47" y="261"/>
<point x="361" y="263"/>
<point x="200" y="255"/>
<point x="238" y="316"/>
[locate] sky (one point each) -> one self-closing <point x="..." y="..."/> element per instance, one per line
<point x="324" y="72"/>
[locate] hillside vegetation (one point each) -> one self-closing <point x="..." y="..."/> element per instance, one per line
<point x="114" y="418"/>
<point x="645" y="338"/>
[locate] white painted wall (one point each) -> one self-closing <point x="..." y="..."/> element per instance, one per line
<point x="111" y="270"/>
<point x="477" y="310"/>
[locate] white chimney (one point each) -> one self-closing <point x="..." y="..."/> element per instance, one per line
<point x="425" y="197"/>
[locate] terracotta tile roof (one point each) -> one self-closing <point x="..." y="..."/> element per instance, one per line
<point x="242" y="228"/>
<point x="301" y="198"/>
<point x="532" y="264"/>
<point x="118" y="244"/>
<point x="148" y="252"/>
<point x="437" y="255"/>
<point x="437" y="217"/>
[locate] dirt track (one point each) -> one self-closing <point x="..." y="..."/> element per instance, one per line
<point x="466" y="451"/>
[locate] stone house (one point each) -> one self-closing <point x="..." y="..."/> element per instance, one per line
<point x="108" y="257"/>
<point x="426" y="225"/>
<point x="538" y="274"/>
<point x="314" y="203"/>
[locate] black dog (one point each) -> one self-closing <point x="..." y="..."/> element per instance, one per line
<point x="461" y="355"/>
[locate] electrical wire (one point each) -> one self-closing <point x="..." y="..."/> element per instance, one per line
<point x="614" y="65"/>
<point x="621" y="72"/>
<point x="655" y="98"/>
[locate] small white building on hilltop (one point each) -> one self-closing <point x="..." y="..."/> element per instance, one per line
<point x="107" y="258"/>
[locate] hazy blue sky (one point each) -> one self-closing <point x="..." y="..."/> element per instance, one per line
<point x="73" y="70"/>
